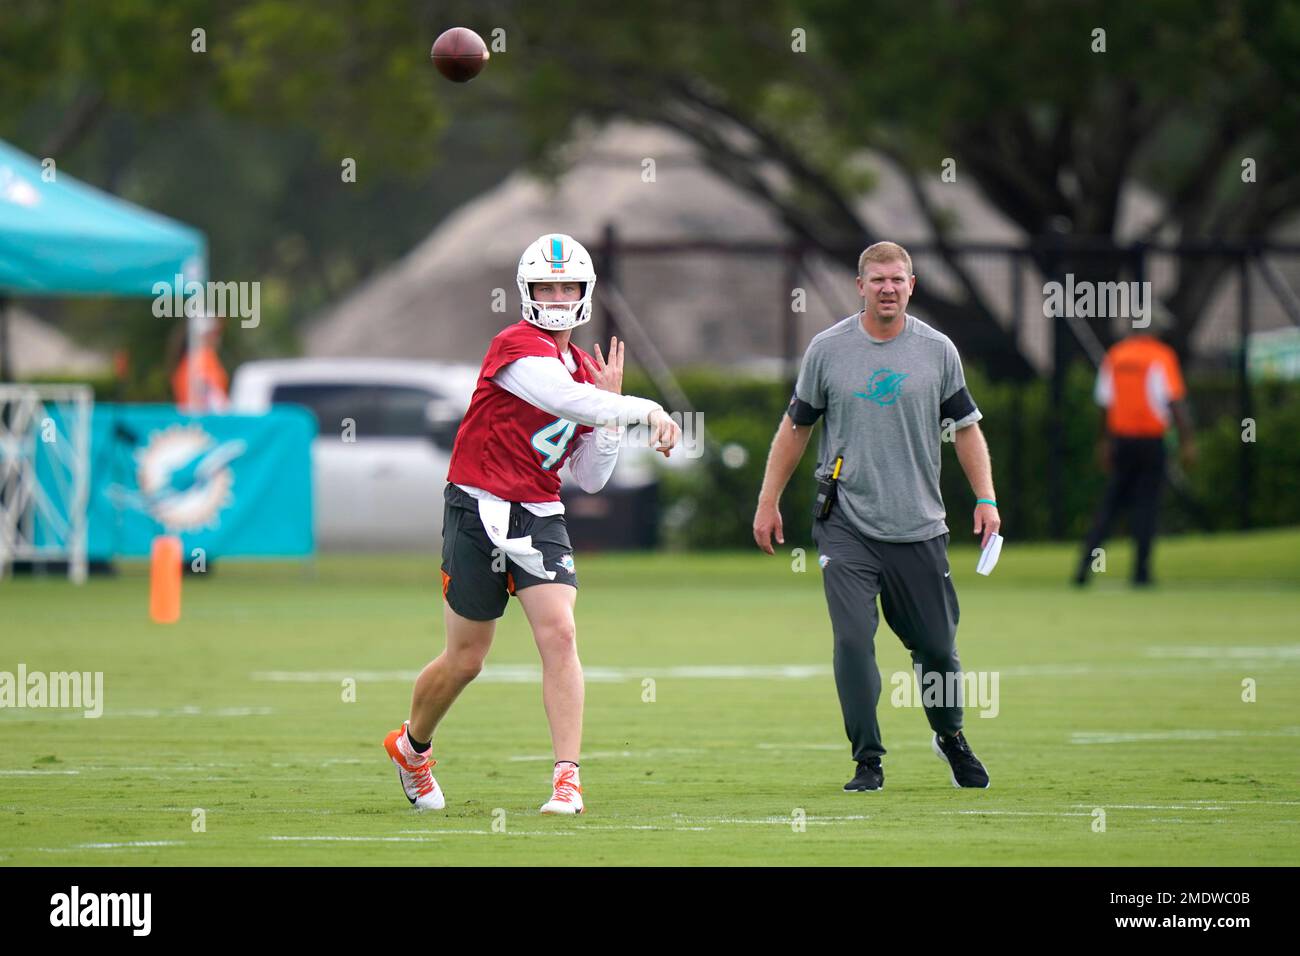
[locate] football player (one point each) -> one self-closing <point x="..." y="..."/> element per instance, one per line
<point x="540" y="403"/>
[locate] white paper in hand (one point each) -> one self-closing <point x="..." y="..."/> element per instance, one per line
<point x="989" y="556"/>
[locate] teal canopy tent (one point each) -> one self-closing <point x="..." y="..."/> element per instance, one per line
<point x="67" y="238"/>
<point x="62" y="237"/>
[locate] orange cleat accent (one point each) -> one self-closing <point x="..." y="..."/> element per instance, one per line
<point x="413" y="771"/>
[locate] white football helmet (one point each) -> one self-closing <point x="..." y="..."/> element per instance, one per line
<point x="556" y="257"/>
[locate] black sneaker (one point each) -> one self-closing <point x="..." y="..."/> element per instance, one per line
<point x="964" y="767"/>
<point x="870" y="776"/>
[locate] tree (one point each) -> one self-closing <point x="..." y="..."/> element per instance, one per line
<point x="1050" y="117"/>
<point x="241" y="130"/>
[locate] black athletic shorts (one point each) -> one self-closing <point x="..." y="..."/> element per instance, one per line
<point x="476" y="583"/>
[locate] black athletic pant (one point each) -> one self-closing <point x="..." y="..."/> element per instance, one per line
<point x="1137" y="472"/>
<point x="920" y="604"/>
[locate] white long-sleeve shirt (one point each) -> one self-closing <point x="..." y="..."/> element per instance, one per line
<point x="547" y="383"/>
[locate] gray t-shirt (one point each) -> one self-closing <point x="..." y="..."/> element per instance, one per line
<point x="885" y="404"/>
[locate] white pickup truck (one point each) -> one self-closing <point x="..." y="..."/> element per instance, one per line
<point x="385" y="431"/>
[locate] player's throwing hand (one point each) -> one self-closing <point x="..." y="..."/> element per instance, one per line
<point x="665" y="432"/>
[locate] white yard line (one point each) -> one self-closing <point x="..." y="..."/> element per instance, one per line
<point x="1137" y="737"/>
<point x="606" y="754"/>
<point x="1011" y="813"/>
<point x="770" y="821"/>
<point x="28" y="714"/>
<point x="430" y="838"/>
<point x="433" y="836"/>
<point x="1197" y="660"/>
<point x="1202" y="652"/>
<point x="1279" y="803"/>
<point x="1138" y="669"/>
<point x="532" y="674"/>
<point x="37" y="773"/>
<point x="1149" y="806"/>
<point x="127" y="845"/>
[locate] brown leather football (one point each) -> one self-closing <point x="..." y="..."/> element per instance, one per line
<point x="459" y="54"/>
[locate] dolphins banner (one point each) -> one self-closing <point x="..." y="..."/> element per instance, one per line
<point x="233" y="485"/>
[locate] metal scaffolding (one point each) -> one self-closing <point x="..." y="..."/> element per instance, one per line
<point x="45" y="475"/>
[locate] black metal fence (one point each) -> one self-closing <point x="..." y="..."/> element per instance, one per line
<point x="990" y="299"/>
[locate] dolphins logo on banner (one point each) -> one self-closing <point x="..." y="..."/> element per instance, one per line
<point x="184" y="477"/>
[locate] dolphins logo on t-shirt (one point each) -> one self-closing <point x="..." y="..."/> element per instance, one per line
<point x="883" y="386"/>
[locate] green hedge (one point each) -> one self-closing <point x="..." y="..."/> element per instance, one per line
<point x="712" y="505"/>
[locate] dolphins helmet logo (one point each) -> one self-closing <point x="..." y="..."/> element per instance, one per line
<point x="883" y="386"/>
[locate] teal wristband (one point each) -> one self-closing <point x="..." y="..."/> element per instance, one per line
<point x="986" y="501"/>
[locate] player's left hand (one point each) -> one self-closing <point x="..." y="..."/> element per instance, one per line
<point x="607" y="376"/>
<point x="988" y="521"/>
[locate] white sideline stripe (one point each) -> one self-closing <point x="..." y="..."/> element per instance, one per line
<point x="585" y="826"/>
<point x="785" y="821"/>
<point x="435" y="835"/>
<point x="164" y="767"/>
<point x="643" y="826"/>
<point x="1277" y="803"/>
<point x="603" y="754"/>
<point x="1012" y="813"/>
<point x="109" y="846"/>
<point x="427" y="836"/>
<point x="1130" y="670"/>
<point x="36" y="773"/>
<point x="1198" y="652"/>
<point x="1151" y="806"/>
<point x="30" y="714"/>
<point x="378" y="839"/>
<point x="1105" y="737"/>
<point x="842" y="746"/>
<point x="532" y="674"/>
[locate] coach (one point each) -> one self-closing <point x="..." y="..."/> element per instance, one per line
<point x="889" y="386"/>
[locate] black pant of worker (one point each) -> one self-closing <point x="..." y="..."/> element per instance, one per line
<point x="1137" y="472"/>
<point x="920" y="605"/>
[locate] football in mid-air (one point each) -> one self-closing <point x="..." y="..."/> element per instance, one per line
<point x="459" y="54"/>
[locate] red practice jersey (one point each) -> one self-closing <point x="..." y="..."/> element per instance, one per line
<point x="505" y="445"/>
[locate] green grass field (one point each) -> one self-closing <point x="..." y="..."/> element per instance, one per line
<point x="1110" y="698"/>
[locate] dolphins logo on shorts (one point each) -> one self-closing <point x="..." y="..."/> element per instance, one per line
<point x="565" y="563"/>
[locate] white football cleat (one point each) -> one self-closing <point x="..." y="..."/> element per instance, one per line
<point x="413" y="771"/>
<point x="567" y="795"/>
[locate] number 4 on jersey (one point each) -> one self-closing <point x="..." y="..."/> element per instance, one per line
<point x="552" y="440"/>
